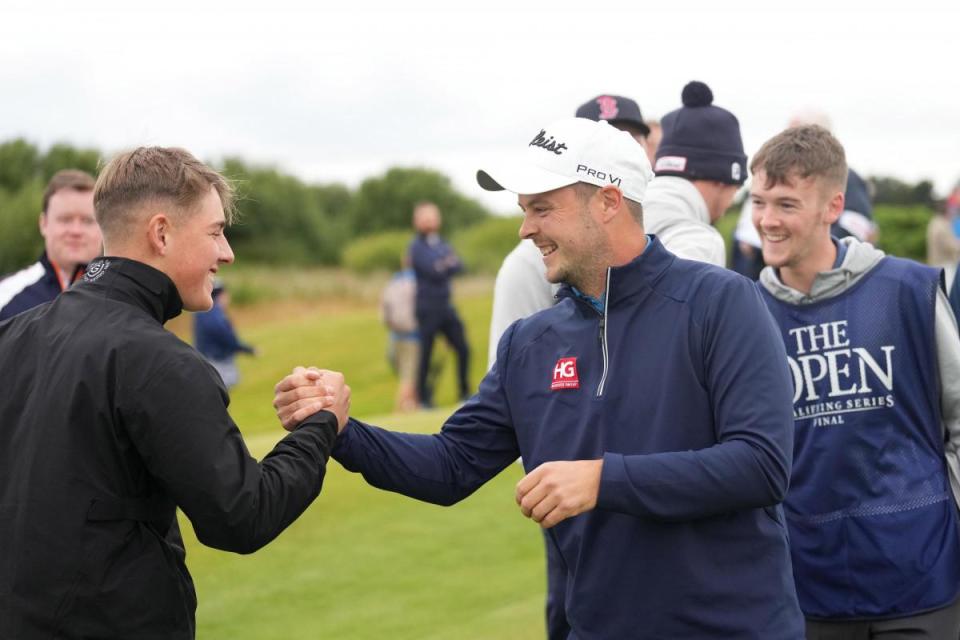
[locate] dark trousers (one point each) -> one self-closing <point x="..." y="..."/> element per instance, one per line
<point x="444" y="320"/>
<point x="939" y="624"/>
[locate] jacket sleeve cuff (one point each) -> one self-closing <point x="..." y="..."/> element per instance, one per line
<point x="614" y="483"/>
<point x="325" y="423"/>
<point x="343" y="442"/>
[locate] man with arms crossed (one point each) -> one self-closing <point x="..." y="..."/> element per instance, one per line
<point x="875" y="357"/>
<point x="108" y="422"/>
<point x="655" y="457"/>
<point x="71" y="239"/>
<point x="434" y="263"/>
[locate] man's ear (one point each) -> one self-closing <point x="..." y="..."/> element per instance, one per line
<point x="158" y="230"/>
<point x="42" y="224"/>
<point x="611" y="200"/>
<point x="834" y="207"/>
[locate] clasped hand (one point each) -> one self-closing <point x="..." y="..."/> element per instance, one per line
<point x="308" y="390"/>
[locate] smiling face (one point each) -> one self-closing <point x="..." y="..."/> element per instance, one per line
<point x="70" y="232"/>
<point x="196" y="248"/>
<point x="793" y="218"/>
<point x="561" y="223"/>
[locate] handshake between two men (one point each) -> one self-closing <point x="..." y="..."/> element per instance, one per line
<point x="442" y="468"/>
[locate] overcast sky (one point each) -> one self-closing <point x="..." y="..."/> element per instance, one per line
<point x="342" y="94"/>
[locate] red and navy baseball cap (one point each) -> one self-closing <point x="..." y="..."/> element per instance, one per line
<point x="615" y="110"/>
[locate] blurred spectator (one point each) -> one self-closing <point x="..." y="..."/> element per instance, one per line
<point x="215" y="338"/>
<point x="399" y="315"/>
<point x="434" y="264"/>
<point x="746" y="257"/>
<point x="857" y="217"/>
<point x="653" y="140"/>
<point x="624" y="114"/>
<point x="952" y="205"/>
<point x="520" y="290"/>
<point x="943" y="233"/>
<point x="71" y="239"/>
<point x="954" y="290"/>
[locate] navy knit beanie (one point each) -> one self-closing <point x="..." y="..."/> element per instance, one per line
<point x="701" y="141"/>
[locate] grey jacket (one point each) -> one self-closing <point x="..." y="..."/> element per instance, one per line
<point x="675" y="212"/>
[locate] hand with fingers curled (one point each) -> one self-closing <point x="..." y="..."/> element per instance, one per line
<point x="558" y="490"/>
<point x="308" y="390"/>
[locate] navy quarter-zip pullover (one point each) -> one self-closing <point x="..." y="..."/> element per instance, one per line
<point x="682" y="388"/>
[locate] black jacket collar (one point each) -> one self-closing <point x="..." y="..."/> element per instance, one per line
<point x="637" y="275"/>
<point x="137" y="284"/>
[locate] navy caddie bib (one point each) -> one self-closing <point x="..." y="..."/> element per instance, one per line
<point x="872" y="521"/>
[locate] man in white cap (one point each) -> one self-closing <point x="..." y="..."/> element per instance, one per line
<point x="699" y="162"/>
<point x="651" y="407"/>
<point x="705" y="151"/>
<point x="521" y="288"/>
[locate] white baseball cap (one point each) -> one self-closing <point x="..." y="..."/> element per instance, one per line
<point x="569" y="151"/>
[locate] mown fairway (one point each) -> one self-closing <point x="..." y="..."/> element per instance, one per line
<point x="362" y="563"/>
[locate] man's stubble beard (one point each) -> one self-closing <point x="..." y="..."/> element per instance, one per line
<point x="591" y="267"/>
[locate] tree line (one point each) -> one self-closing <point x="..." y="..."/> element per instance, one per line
<point x="285" y="220"/>
<point x="281" y="218"/>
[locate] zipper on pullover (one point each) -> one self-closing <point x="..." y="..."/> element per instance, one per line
<point x="603" y="336"/>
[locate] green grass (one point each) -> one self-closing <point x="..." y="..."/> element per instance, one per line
<point x="350" y="339"/>
<point x="362" y="563"/>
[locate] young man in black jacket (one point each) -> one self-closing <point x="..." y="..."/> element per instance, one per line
<point x="108" y="422"/>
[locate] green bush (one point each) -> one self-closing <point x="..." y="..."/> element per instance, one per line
<point x="903" y="230"/>
<point x="386" y="202"/>
<point x="19" y="161"/>
<point x="20" y="242"/>
<point x="64" y="156"/>
<point x="377" y="252"/>
<point x="283" y="220"/>
<point x="483" y="246"/>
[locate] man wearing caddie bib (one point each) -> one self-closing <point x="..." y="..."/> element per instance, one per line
<point x="875" y="357"/>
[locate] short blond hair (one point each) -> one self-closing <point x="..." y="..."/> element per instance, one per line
<point x="154" y="174"/>
<point x="805" y="151"/>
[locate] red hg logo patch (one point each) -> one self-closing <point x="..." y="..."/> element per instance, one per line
<point x="565" y="375"/>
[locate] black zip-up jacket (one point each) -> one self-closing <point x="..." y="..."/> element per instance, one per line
<point x="108" y="422"/>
